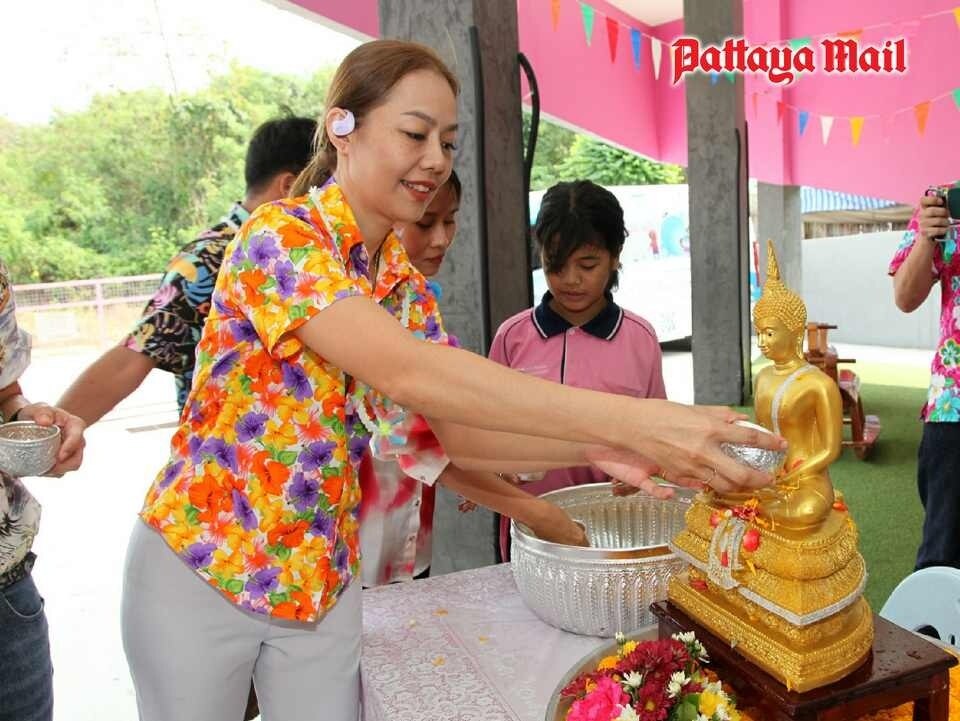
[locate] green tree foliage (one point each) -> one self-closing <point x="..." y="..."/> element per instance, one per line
<point x="563" y="154"/>
<point x="591" y="159"/>
<point x="117" y="188"/>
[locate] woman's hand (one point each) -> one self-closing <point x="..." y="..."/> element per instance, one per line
<point x="681" y="445"/>
<point x="70" y="455"/>
<point x="551" y="523"/>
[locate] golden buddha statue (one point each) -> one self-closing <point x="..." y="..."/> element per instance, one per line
<point x="798" y="402"/>
<point x="777" y="572"/>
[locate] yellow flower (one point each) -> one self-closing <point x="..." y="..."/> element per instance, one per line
<point x="608" y="662"/>
<point x="709" y="702"/>
<point x="281" y="434"/>
<point x="227" y="565"/>
<point x="225" y="427"/>
<point x="628" y="648"/>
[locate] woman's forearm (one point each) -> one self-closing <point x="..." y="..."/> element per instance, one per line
<point x="453" y="385"/>
<point x="477" y="449"/>
<point x="491" y="491"/>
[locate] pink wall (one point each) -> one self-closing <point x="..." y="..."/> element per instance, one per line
<point x="581" y="87"/>
<point x="892" y="159"/>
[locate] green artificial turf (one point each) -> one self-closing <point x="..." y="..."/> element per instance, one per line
<point x="881" y="492"/>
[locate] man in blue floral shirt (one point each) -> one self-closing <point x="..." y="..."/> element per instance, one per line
<point x="166" y="335"/>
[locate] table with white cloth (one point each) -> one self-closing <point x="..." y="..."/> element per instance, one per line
<point x="461" y="647"/>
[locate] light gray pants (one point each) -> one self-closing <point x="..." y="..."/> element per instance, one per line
<point x="192" y="653"/>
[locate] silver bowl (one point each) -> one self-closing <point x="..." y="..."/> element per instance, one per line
<point x="608" y="587"/>
<point x="28" y="449"/>
<point x="758" y="458"/>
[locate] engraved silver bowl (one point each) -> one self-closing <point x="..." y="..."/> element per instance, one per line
<point x="28" y="449"/>
<point x="608" y="587"/>
<point x="759" y="458"/>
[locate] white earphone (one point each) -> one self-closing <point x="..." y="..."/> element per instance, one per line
<point x="344" y="125"/>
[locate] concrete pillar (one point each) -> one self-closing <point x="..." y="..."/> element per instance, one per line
<point x="486" y="274"/>
<point x="717" y="178"/>
<point x="779" y="218"/>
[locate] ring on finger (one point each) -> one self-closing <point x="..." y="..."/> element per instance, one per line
<point x="711" y="479"/>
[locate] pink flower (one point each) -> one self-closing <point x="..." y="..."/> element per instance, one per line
<point x="601" y="704"/>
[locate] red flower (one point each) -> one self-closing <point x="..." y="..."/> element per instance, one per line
<point x="652" y="702"/>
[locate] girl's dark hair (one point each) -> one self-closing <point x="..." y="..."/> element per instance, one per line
<point x="362" y="81"/>
<point x="454" y="182"/>
<point x="576" y="214"/>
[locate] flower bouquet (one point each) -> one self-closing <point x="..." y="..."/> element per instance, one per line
<point x="661" y="680"/>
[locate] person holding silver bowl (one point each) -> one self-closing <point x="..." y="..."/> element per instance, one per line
<point x="26" y="670"/>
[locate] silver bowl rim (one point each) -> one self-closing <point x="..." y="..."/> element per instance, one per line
<point x="524" y="537"/>
<point x="26" y="442"/>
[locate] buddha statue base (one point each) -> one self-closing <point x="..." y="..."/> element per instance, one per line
<point x="790" y="602"/>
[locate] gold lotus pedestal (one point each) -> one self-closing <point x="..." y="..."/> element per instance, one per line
<point x="793" y="605"/>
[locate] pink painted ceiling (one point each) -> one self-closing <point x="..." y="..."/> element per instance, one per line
<point x="605" y="87"/>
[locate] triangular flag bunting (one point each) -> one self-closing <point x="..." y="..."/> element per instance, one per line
<point x="636" y="39"/>
<point x="714" y="78"/>
<point x="826" y="123"/>
<point x="856" y="127"/>
<point x="586" y="12"/>
<point x="956" y="15"/>
<point x="613" y="29"/>
<point x="730" y="76"/>
<point x="852" y="34"/>
<point x="798" y="43"/>
<point x="555" y="13"/>
<point x="655" y="54"/>
<point x="956" y="97"/>
<point x="780" y="109"/>
<point x="802" y="119"/>
<point x="753" y="97"/>
<point x="921" y="111"/>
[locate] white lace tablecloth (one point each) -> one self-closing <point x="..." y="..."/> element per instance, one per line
<point x="461" y="647"/>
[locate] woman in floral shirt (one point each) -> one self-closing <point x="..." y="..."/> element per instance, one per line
<point x="259" y="497"/>
<point x="928" y="256"/>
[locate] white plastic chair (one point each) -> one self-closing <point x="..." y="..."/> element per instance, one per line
<point x="928" y="598"/>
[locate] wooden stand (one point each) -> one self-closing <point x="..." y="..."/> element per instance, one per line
<point x="864" y="429"/>
<point x="903" y="667"/>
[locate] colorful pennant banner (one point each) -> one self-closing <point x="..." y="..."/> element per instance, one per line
<point x="826" y="124"/>
<point x="589" y="14"/>
<point x="613" y="30"/>
<point x="921" y="113"/>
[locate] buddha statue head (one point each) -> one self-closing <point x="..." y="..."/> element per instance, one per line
<point x="780" y="316"/>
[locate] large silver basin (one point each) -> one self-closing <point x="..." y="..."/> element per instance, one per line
<point x="608" y="587"/>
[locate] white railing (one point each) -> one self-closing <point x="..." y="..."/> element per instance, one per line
<point x="83" y="312"/>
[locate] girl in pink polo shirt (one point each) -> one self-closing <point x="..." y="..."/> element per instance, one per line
<point x="578" y="335"/>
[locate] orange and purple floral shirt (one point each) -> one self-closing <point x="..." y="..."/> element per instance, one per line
<point x="943" y="396"/>
<point x="260" y="494"/>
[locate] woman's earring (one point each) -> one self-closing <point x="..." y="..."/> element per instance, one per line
<point x="344" y="125"/>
